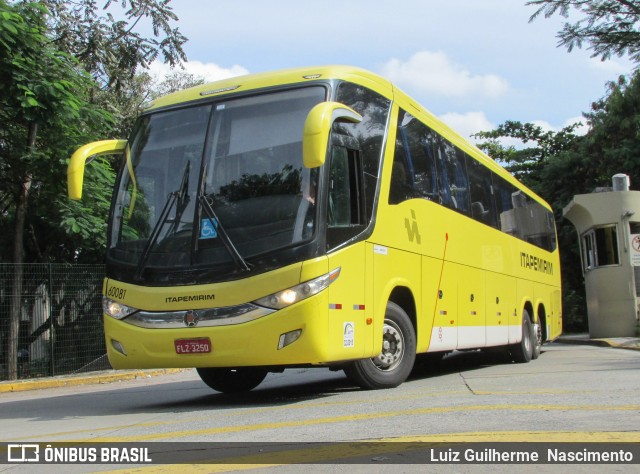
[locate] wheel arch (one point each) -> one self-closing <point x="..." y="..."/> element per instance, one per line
<point x="541" y="318"/>
<point x="403" y="297"/>
<point x="528" y="307"/>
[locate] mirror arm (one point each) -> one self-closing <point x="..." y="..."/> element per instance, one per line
<point x="317" y="128"/>
<point x="83" y="155"/>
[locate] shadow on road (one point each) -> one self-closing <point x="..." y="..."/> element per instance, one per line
<point x="192" y="395"/>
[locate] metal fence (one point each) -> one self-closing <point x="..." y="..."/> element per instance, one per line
<point x="61" y="328"/>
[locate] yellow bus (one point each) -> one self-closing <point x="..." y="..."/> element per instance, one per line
<point x="315" y="217"/>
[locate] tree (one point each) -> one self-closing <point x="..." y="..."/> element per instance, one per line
<point x="50" y="104"/>
<point x="526" y="163"/>
<point x="110" y="44"/>
<point x="175" y="81"/>
<point x="608" y="27"/>
<point x="613" y="142"/>
<point x="112" y="49"/>
<point x="41" y="90"/>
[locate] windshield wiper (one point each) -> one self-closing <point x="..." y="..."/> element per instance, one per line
<point x="180" y="197"/>
<point x="215" y="221"/>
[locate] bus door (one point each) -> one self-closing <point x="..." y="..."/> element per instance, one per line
<point x="349" y="333"/>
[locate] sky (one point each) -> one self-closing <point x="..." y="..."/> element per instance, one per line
<point x="473" y="63"/>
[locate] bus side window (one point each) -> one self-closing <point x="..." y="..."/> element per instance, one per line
<point x="401" y="187"/>
<point x="454" y="187"/>
<point x="482" y="203"/>
<point x="414" y="173"/>
<point x="502" y="191"/>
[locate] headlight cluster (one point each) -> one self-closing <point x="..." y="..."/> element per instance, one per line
<point x="116" y="310"/>
<point x="287" y="297"/>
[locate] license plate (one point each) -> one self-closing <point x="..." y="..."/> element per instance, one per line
<point x="193" y="346"/>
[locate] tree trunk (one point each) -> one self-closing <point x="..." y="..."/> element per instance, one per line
<point x="18" y="260"/>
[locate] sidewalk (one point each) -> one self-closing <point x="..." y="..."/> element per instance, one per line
<point x="108" y="376"/>
<point x="618" y="342"/>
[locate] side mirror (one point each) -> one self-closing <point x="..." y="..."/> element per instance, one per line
<point x="317" y="128"/>
<point x="75" y="170"/>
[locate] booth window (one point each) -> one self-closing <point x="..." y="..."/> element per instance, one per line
<point x="600" y="247"/>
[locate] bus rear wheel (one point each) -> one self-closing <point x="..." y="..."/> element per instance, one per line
<point x="393" y="365"/>
<point x="537" y="347"/>
<point x="522" y="351"/>
<point x="241" y="379"/>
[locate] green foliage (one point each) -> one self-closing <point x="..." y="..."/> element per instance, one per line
<point x="44" y="114"/>
<point x="70" y="73"/>
<point x="109" y="43"/>
<point x="106" y="40"/>
<point x="614" y="141"/>
<point x="526" y="162"/>
<point x="608" y="27"/>
<point x="34" y="78"/>
<point x="175" y="81"/>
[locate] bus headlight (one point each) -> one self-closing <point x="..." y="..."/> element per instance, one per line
<point x="292" y="295"/>
<point x="116" y="310"/>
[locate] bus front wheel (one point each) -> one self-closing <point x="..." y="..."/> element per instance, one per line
<point x="393" y="365"/>
<point x="523" y="351"/>
<point x="241" y="379"/>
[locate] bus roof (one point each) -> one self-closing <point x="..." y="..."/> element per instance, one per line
<point x="275" y="78"/>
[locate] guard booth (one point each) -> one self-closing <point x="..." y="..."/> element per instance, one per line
<point x="608" y="225"/>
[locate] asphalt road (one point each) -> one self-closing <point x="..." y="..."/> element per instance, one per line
<point x="572" y="393"/>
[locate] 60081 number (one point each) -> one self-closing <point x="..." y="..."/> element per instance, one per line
<point x="115" y="292"/>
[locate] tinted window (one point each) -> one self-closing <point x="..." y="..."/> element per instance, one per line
<point x="454" y="188"/>
<point x="414" y="172"/>
<point x="480" y="193"/>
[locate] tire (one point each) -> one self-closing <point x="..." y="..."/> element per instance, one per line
<point x="237" y="380"/>
<point x="395" y="362"/>
<point x="522" y="352"/>
<point x="537" y="340"/>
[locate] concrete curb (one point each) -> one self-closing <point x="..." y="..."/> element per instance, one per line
<point x="85" y="379"/>
<point x="632" y="343"/>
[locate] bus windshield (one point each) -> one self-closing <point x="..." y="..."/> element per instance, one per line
<point x="215" y="184"/>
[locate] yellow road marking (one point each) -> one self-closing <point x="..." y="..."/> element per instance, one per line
<point x="250" y="411"/>
<point x="351" y="418"/>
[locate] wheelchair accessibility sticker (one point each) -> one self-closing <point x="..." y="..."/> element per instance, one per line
<point x="348" y="335"/>
<point x="208" y="229"/>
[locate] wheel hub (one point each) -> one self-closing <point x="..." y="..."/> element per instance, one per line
<point x="392" y="347"/>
